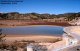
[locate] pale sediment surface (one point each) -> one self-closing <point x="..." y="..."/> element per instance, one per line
<point x="30" y="37"/>
<point x="76" y="29"/>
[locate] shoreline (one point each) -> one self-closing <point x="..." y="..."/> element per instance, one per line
<point x="36" y="38"/>
<point x="28" y="26"/>
<point x="21" y="35"/>
<point x="2" y="26"/>
<point x="15" y="23"/>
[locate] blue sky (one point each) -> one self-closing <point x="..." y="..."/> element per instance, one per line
<point x="43" y="6"/>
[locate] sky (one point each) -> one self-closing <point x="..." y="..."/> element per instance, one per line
<point x="42" y="6"/>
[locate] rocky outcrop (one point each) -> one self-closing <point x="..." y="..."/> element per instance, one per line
<point x="75" y="22"/>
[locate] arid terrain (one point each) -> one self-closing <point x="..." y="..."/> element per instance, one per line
<point x="12" y="23"/>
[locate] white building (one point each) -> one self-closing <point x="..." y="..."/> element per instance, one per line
<point x="30" y="48"/>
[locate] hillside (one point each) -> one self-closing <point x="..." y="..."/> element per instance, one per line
<point x="36" y="16"/>
<point x="19" y="19"/>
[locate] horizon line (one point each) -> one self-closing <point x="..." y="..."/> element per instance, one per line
<point x="39" y="13"/>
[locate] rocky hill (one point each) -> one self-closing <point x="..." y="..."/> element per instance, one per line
<point x="19" y="19"/>
<point x="36" y="16"/>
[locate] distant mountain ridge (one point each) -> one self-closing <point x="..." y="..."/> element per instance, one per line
<point x="36" y="16"/>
